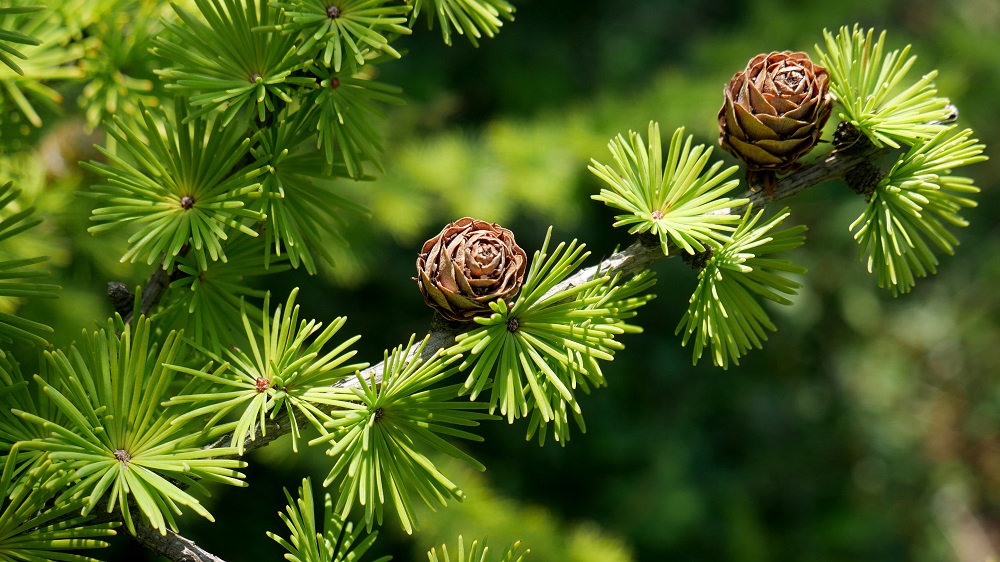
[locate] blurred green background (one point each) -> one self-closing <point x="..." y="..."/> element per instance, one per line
<point x="867" y="429"/>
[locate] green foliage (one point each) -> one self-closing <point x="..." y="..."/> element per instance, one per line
<point x="478" y="552"/>
<point x="32" y="529"/>
<point x="288" y="369"/>
<point x="533" y="353"/>
<point x="384" y="430"/>
<point x="17" y="275"/>
<point x="679" y="202"/>
<point x="723" y="312"/>
<point x="345" y="111"/>
<point x="233" y="61"/>
<point x="345" y="30"/>
<point x="8" y="34"/>
<point x="117" y="69"/>
<point x="116" y="440"/>
<point x="180" y="186"/>
<point x="49" y="58"/>
<point x="208" y="303"/>
<point x="620" y="299"/>
<point x="338" y="542"/>
<point x="310" y="120"/>
<point x="472" y="18"/>
<point x="304" y="207"/>
<point x="505" y="520"/>
<point x="17" y="392"/>
<point x="912" y="207"/>
<point x="872" y="92"/>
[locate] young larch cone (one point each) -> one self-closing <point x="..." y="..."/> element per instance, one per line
<point x="774" y="111"/>
<point x="470" y="264"/>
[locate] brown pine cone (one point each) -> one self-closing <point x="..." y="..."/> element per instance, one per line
<point x="468" y="265"/>
<point x="774" y="111"/>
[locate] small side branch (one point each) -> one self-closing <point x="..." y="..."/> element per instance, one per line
<point x="628" y="262"/>
<point x="152" y="292"/>
<point x="273" y="429"/>
<point x="835" y="166"/>
<point x="173" y="546"/>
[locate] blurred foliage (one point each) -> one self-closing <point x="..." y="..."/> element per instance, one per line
<point x="489" y="513"/>
<point x="867" y="428"/>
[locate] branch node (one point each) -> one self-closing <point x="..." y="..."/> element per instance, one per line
<point x="649" y="240"/>
<point x="848" y="139"/>
<point x="864" y="178"/>
<point x="698" y="260"/>
<point x="121" y="297"/>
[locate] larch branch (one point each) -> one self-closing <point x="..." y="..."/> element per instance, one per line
<point x="628" y="262"/>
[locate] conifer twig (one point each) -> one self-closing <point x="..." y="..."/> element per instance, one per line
<point x="154" y="289"/>
<point x="628" y="262"/>
<point x="173" y="546"/>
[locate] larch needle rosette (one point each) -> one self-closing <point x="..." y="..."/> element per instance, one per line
<point x="872" y="93"/>
<point x="344" y="31"/>
<point x="19" y="277"/>
<point x="287" y="367"/>
<point x="118" y="71"/>
<point x="175" y="181"/>
<point x="48" y="55"/>
<point x="339" y="540"/>
<point x="911" y="207"/>
<point x="478" y="552"/>
<point x="525" y="353"/>
<point x="468" y="265"/>
<point x="346" y="110"/>
<point x="307" y="207"/>
<point x="472" y="18"/>
<point x="32" y="528"/>
<point x="117" y="439"/>
<point x="382" y="433"/>
<point x="621" y="299"/>
<point x="723" y="312"/>
<point x="678" y="200"/>
<point x="234" y="61"/>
